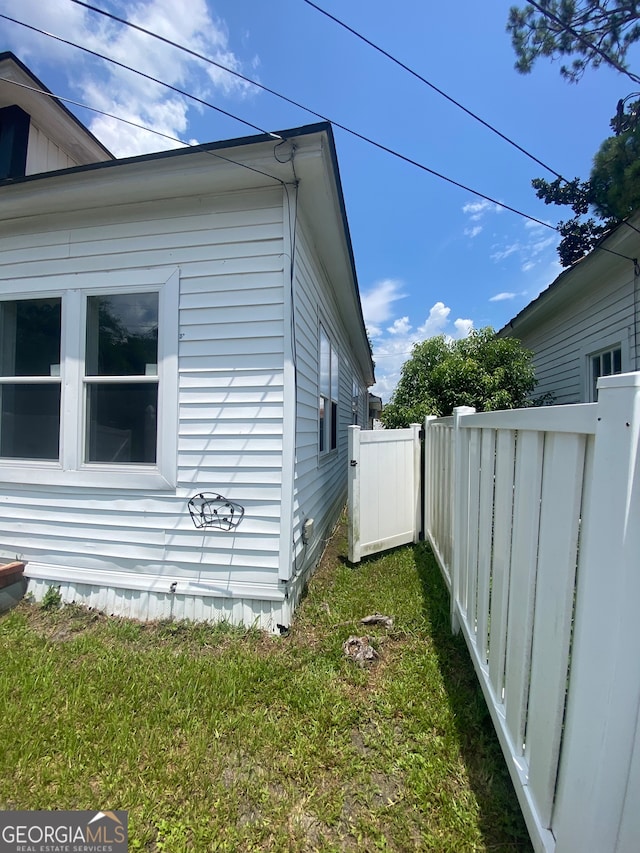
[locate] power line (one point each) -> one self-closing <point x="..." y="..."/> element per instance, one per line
<point x="431" y="86"/>
<point x="457" y="103"/>
<point x="142" y="127"/>
<point x="141" y="74"/>
<point x="343" y="127"/>
<point x="352" y="132"/>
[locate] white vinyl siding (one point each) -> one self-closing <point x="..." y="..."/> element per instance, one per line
<point x="43" y="155"/>
<point x="228" y="415"/>
<point x="321" y="479"/>
<point x="597" y="316"/>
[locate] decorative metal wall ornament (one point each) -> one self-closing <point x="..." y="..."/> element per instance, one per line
<point x="210" y="510"/>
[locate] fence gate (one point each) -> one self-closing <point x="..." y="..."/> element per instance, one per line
<point x="384" y="489"/>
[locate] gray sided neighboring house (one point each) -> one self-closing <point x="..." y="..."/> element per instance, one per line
<point x="586" y="324"/>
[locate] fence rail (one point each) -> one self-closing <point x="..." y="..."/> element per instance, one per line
<point x="534" y="517"/>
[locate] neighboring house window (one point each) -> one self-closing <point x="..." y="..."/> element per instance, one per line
<point x="328" y="398"/>
<point x="88" y="386"/>
<point x="604" y="363"/>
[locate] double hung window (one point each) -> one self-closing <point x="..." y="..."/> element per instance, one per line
<point x="88" y="385"/>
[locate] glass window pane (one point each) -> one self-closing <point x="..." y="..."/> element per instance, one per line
<point x="30" y="337"/>
<point x="606" y="364"/>
<point x="325" y="364"/>
<point x="122" y="423"/>
<point x="595" y="373"/>
<point x="335" y="374"/>
<point x="30" y="421"/>
<point x="122" y="335"/>
<point x="334" y="426"/>
<point x="617" y="361"/>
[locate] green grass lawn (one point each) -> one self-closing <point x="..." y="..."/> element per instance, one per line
<point x="214" y="738"/>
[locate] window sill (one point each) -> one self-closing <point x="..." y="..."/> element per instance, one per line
<point x="97" y="477"/>
<point x="326" y="456"/>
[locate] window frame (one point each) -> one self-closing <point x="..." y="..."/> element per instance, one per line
<point x="599" y="348"/>
<point x="70" y="469"/>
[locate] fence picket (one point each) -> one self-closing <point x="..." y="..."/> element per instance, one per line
<point x="526" y="514"/>
<point x="485" y="524"/>
<point x="502" y="526"/>
<point x="468" y="599"/>
<point x="558" y="545"/>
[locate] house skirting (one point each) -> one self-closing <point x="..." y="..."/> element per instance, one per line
<point x="150" y="599"/>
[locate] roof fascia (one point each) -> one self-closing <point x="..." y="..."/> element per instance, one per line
<point x="604" y="259"/>
<point x="52" y="104"/>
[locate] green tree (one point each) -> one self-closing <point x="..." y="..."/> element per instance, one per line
<point x="589" y="31"/>
<point x="611" y="193"/>
<point x="480" y="370"/>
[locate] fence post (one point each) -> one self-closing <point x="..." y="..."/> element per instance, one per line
<point x="459" y="509"/>
<point x="354" y="494"/>
<point x="599" y="780"/>
<point x="417" y="520"/>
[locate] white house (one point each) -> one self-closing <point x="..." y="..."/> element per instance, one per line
<point x="182" y="350"/>
<point x="586" y="323"/>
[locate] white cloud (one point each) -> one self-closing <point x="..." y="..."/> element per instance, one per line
<point x="531" y="251"/>
<point x="506" y="251"/>
<point x="392" y="347"/>
<point x="377" y="304"/>
<point x="473" y="232"/>
<point x="118" y="91"/>
<point x="400" y="327"/>
<point x="501" y="297"/>
<point x="436" y="322"/>
<point x="463" y="328"/>
<point x="475" y="210"/>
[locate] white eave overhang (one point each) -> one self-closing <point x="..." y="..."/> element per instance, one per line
<point x="245" y="164"/>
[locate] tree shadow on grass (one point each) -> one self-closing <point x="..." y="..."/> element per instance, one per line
<point x="500" y="818"/>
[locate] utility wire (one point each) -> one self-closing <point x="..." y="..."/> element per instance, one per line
<point x="431" y="86"/>
<point x="143" y="127"/>
<point x="608" y="59"/>
<point x="352" y="132"/>
<point x="141" y="74"/>
<point x="402" y="65"/>
<point x="457" y="103"/>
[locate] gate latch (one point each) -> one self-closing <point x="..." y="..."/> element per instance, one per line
<point x="353" y="463"/>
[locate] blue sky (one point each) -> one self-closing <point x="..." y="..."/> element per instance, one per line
<point x="431" y="258"/>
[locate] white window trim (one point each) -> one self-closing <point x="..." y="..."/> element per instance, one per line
<point x="598" y="346"/>
<point x="71" y="470"/>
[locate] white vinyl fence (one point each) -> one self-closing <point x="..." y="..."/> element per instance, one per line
<point x="534" y="517"/>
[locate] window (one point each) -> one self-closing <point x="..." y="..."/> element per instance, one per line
<point x="14" y="138"/>
<point x="604" y="363"/>
<point x="88" y="385"/>
<point x="30" y="385"/>
<point x="328" y="398"/>
<point x="121" y="378"/>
